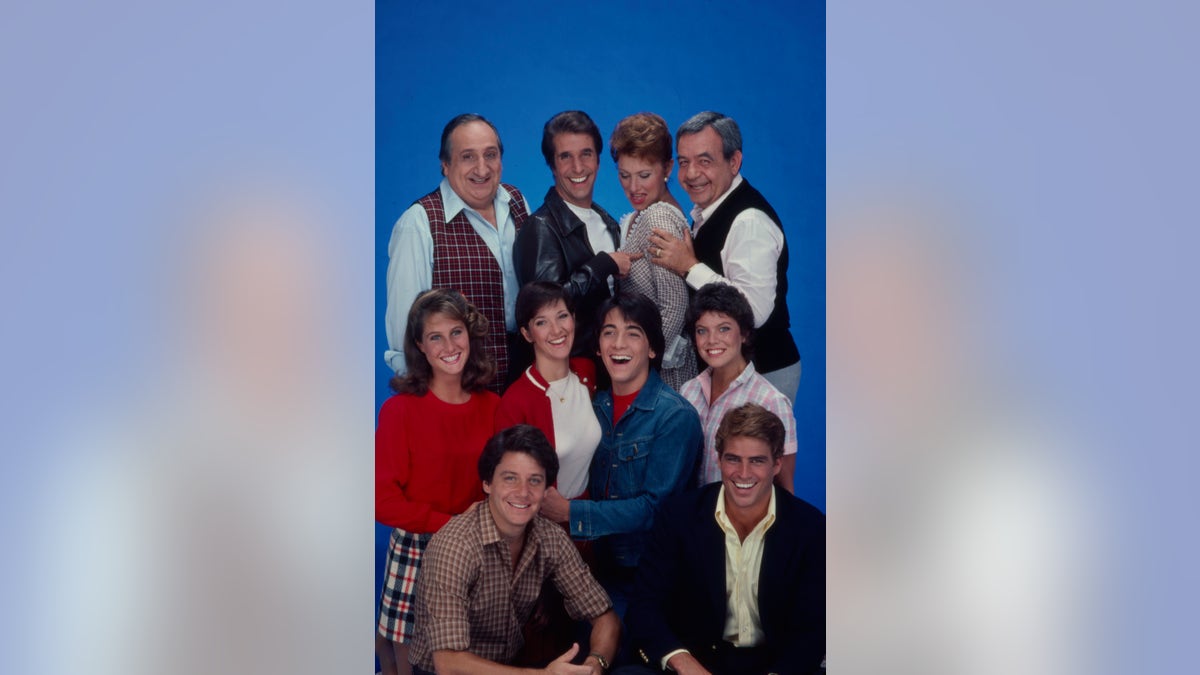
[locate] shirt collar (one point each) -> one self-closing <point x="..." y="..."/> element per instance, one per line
<point x="706" y="213"/>
<point x="452" y="203"/>
<point x="487" y="525"/>
<point x="726" y="525"/>
<point x="705" y="378"/>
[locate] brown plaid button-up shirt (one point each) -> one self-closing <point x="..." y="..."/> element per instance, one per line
<point x="470" y="599"/>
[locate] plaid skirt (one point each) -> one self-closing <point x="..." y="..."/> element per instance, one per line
<point x="396" y="611"/>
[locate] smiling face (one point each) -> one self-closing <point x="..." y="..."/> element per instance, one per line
<point x="748" y="472"/>
<point x="551" y="332"/>
<point x="575" y="163"/>
<point x="719" y="340"/>
<point x="515" y="492"/>
<point x="474" y="167"/>
<point x="703" y="170"/>
<point x="644" y="180"/>
<point x="626" y="352"/>
<point x="445" y="344"/>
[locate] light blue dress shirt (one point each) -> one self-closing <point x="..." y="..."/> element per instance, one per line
<point x="410" y="262"/>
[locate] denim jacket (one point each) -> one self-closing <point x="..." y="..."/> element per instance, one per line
<point x="651" y="454"/>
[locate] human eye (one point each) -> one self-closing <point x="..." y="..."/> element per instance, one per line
<point x="701" y="331"/>
<point x="758" y="461"/>
<point x="644" y="175"/>
<point x="724" y="329"/>
<point x="623" y="175"/>
<point x="536" y="480"/>
<point x="608" y="332"/>
<point x="509" y="479"/>
<point x="563" y="315"/>
<point x="587" y="153"/>
<point x="492" y="154"/>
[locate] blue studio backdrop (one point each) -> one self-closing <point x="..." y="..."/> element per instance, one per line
<point x="520" y="63"/>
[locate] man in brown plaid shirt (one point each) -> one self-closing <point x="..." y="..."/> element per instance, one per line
<point x="483" y="571"/>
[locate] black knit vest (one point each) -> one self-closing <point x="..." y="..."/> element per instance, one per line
<point x="774" y="347"/>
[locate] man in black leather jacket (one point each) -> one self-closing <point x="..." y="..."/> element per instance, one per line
<point x="571" y="240"/>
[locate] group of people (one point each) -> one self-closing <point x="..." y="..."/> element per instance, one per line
<point x="612" y="484"/>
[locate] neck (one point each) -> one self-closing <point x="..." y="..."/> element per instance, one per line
<point x="489" y="214"/>
<point x="745" y="520"/>
<point x="568" y="201"/>
<point x="632" y="387"/>
<point x="670" y="199"/>
<point x="448" y="389"/>
<point x="723" y="376"/>
<point x="551" y="369"/>
<point x="510" y="537"/>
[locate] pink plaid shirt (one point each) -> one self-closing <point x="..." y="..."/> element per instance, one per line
<point x="749" y="387"/>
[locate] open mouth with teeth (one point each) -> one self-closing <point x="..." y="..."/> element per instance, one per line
<point x="520" y="507"/>
<point x="620" y="358"/>
<point x="744" y="486"/>
<point x="579" y="181"/>
<point x="715" y="352"/>
<point x="451" y="359"/>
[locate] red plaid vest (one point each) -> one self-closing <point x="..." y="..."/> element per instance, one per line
<point x="462" y="261"/>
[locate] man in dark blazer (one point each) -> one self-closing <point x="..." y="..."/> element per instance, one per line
<point x="733" y="581"/>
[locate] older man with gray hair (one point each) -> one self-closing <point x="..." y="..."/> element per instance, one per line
<point x="737" y="238"/>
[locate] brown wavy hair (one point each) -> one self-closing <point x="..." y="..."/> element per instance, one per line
<point x="643" y="135"/>
<point x="480" y="366"/>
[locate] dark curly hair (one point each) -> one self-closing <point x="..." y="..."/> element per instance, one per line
<point x="724" y="299"/>
<point x="480" y="366"/>
<point x="635" y="308"/>
<point x="518" y="438"/>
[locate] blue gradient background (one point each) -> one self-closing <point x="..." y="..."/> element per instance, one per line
<point x="1056" y="140"/>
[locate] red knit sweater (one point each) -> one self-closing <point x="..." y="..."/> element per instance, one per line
<point x="426" y="454"/>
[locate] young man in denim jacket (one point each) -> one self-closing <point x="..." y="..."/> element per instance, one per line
<point x="648" y="451"/>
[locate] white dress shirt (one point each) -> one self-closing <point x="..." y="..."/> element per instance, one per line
<point x="749" y="256"/>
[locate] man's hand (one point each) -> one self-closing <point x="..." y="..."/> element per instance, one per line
<point x="677" y="255"/>
<point x="686" y="664"/>
<point x="555" y="506"/>
<point x="624" y="260"/>
<point x="563" y="666"/>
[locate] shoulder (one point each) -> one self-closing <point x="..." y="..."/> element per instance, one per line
<point x="697" y="504"/>
<point x="664" y="210"/>
<point x="673" y="401"/>
<point x="399" y="404"/>
<point x="459" y="534"/>
<point x="798" y="515"/>
<point x="550" y="534"/>
<point x="513" y="193"/>
<point x="414" y="216"/>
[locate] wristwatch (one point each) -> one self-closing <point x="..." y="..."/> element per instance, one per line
<point x="601" y="660"/>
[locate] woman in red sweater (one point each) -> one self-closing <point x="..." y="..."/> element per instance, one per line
<point x="427" y="444"/>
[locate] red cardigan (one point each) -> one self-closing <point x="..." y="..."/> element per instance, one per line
<point x="426" y="454"/>
<point x="525" y="402"/>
